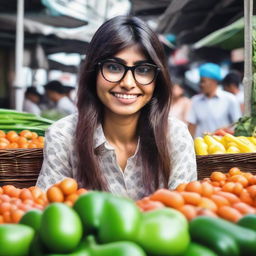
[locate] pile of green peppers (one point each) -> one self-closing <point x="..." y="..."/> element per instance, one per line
<point x="99" y="224"/>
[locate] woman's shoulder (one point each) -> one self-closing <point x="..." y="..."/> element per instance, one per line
<point x="175" y="123"/>
<point x="65" y="125"/>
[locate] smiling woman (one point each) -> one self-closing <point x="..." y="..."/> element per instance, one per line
<point x="123" y="139"/>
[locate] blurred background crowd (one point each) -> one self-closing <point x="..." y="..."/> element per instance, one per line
<point x="55" y="33"/>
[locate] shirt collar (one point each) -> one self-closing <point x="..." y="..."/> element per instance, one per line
<point x="99" y="137"/>
<point x="217" y="94"/>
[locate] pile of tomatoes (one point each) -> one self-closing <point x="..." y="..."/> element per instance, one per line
<point x="227" y="195"/>
<point x="24" y="139"/>
<point x="14" y="202"/>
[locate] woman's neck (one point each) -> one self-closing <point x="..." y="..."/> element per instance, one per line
<point x="120" y="130"/>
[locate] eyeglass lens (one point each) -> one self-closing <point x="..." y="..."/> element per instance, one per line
<point x="114" y="72"/>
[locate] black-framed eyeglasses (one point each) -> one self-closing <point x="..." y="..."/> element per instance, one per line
<point x="114" y="72"/>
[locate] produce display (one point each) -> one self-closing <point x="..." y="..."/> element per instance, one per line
<point x="226" y="195"/>
<point x="215" y="144"/>
<point x="12" y="120"/>
<point x="23" y="139"/>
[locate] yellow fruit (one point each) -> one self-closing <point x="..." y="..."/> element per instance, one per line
<point x="200" y="146"/>
<point x="233" y="150"/>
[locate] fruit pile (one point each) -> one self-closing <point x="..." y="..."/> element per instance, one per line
<point x="214" y="144"/>
<point x="24" y="139"/>
<point x="14" y="202"/>
<point x="227" y="195"/>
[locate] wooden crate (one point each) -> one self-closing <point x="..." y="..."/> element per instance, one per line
<point x="20" y="167"/>
<point x="223" y="162"/>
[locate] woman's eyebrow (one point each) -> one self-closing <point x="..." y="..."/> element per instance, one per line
<point x="125" y="62"/>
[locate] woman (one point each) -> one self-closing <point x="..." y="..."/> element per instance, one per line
<point x="122" y="140"/>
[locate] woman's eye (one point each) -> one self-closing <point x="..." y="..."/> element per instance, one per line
<point x="143" y="69"/>
<point x="113" y="67"/>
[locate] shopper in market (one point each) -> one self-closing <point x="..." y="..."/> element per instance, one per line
<point x="32" y="101"/>
<point x="232" y="83"/>
<point x="180" y="102"/>
<point x="123" y="139"/>
<point x="213" y="108"/>
<point x="56" y="92"/>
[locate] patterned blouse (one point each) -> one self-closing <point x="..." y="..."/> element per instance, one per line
<point x="60" y="159"/>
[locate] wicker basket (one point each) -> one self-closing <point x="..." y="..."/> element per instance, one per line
<point x="223" y="162"/>
<point x="20" y="167"/>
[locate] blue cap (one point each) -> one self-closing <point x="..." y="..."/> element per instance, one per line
<point x="210" y="70"/>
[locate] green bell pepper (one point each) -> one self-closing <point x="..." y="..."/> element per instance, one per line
<point x="195" y="249"/>
<point x="110" y="217"/>
<point x="15" y="239"/>
<point x="164" y="232"/>
<point x="90" y="248"/>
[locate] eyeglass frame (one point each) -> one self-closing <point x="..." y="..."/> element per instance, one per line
<point x="127" y="68"/>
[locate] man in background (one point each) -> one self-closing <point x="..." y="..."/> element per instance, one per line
<point x="232" y="83"/>
<point x="32" y="101"/>
<point x="213" y="108"/>
<point x="56" y="92"/>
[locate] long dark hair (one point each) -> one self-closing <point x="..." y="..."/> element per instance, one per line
<point x="112" y="37"/>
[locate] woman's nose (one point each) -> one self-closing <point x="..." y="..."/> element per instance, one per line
<point x="128" y="80"/>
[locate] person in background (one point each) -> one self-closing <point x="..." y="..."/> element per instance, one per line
<point x="32" y="101"/>
<point x="56" y="92"/>
<point x="232" y="83"/>
<point x="180" y="103"/>
<point x="123" y="139"/>
<point x="70" y="92"/>
<point x="213" y="108"/>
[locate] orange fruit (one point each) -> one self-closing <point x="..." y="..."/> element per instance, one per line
<point x="239" y="178"/>
<point x="238" y="188"/>
<point x="181" y="187"/>
<point x="27" y="134"/>
<point x="12" y="136"/>
<point x="244" y="208"/>
<point x="234" y="171"/>
<point x="25" y="194"/>
<point x="189" y="211"/>
<point x="169" y="198"/>
<point x="206" y="212"/>
<point x="207" y="189"/>
<point x="220" y="200"/>
<point x="232" y="198"/>
<point x="229" y="187"/>
<point x="218" y="176"/>
<point x="208" y="204"/>
<point x="2" y="134"/>
<point x="54" y="194"/>
<point x="191" y="197"/>
<point x="68" y="186"/>
<point x="229" y="213"/>
<point x="72" y="197"/>
<point x="194" y="186"/>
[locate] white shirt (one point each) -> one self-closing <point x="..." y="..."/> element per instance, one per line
<point x="60" y="159"/>
<point x="66" y="106"/>
<point x="209" y="114"/>
<point x="31" y="107"/>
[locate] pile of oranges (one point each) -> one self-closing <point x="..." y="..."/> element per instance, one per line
<point x="14" y="202"/>
<point x="227" y="195"/>
<point x="25" y="139"/>
<point x="66" y="191"/>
